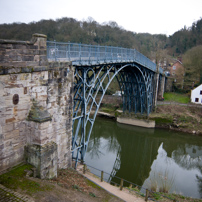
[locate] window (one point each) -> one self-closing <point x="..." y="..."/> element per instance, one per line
<point x="174" y="67"/>
<point x="196" y="99"/>
<point x="200" y="92"/>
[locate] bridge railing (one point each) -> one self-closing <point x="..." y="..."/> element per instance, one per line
<point x="82" y="54"/>
<point x="147" y="193"/>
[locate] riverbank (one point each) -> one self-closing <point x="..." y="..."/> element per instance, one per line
<point x="173" y="116"/>
<point x="70" y="185"/>
<point x="185" y="118"/>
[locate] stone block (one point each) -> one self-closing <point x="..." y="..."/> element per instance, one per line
<point x="1" y="139"/>
<point x="44" y="125"/>
<point x="10" y="120"/>
<point x="11" y="135"/>
<point x="24" y="76"/>
<point x="8" y="128"/>
<point x="44" y="158"/>
<point x="38" y="114"/>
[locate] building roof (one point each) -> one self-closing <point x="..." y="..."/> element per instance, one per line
<point x="176" y="62"/>
<point x="198" y="87"/>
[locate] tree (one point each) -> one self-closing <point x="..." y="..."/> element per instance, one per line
<point x="192" y="61"/>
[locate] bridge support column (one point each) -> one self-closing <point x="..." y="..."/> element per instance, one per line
<point x="156" y="81"/>
<point x="161" y="88"/>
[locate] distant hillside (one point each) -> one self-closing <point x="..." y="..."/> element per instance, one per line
<point x="91" y="32"/>
<point x="88" y="32"/>
<point x="157" y="47"/>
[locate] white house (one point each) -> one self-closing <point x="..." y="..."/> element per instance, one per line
<point x="196" y="95"/>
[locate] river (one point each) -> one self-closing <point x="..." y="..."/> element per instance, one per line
<point x="147" y="157"/>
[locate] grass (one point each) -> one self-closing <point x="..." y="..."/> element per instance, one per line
<point x="90" y="183"/>
<point x="107" y="110"/>
<point x="186" y="119"/>
<point x="161" y="182"/>
<point x="16" y="179"/>
<point x="162" y="120"/>
<point x="176" y="97"/>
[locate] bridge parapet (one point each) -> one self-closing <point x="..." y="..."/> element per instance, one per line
<point x="87" y="55"/>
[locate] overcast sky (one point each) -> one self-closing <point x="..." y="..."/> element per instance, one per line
<point x="152" y="16"/>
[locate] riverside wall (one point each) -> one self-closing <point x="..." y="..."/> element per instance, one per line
<point x="35" y="107"/>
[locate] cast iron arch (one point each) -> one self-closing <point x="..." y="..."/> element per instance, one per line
<point x="134" y="80"/>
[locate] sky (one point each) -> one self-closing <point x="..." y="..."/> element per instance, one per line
<point x="140" y="16"/>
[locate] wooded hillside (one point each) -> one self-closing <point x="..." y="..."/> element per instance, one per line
<point x="156" y="47"/>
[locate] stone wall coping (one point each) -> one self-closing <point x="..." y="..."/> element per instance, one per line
<point x="39" y="35"/>
<point x="33" y="40"/>
<point x="15" y="70"/>
<point x="38" y="114"/>
<point x="5" y="41"/>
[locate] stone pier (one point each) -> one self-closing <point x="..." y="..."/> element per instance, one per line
<point x="35" y="107"/>
<point x="161" y="87"/>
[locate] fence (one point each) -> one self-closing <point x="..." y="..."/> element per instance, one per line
<point x="148" y="195"/>
<point x="82" y="54"/>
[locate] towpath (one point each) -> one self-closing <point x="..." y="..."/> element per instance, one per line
<point x="124" y="194"/>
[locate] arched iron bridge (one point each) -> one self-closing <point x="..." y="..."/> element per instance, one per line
<point x="95" y="68"/>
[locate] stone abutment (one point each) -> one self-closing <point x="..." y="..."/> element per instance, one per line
<point x="35" y="107"/>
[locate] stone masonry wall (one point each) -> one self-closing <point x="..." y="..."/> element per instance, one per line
<point x="32" y="87"/>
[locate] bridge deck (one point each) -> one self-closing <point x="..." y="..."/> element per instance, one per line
<point x="88" y="55"/>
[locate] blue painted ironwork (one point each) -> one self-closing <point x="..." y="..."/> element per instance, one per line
<point x="95" y="68"/>
<point x="83" y="54"/>
<point x="91" y="84"/>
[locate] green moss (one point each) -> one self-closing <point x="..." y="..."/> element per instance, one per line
<point x="156" y="196"/>
<point x="60" y="85"/>
<point x="38" y="114"/>
<point x="92" y="194"/>
<point x="16" y="179"/>
<point x="107" y="110"/>
<point x="163" y="120"/>
<point x="90" y="183"/>
<point x="186" y="119"/>
<point x="56" y="73"/>
<point x="117" y="114"/>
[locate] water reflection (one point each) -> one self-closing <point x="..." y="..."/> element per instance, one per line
<point x="138" y="155"/>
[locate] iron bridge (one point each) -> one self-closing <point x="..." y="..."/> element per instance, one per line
<point x="95" y="68"/>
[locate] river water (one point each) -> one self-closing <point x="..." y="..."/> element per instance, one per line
<point x="147" y="157"/>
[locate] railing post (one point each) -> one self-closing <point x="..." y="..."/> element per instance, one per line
<point x="117" y="53"/>
<point x="80" y="52"/>
<point x="98" y="54"/>
<point x="121" y="185"/>
<point x="89" y="53"/>
<point x="66" y="52"/>
<point x="111" y="54"/>
<point x="146" y="195"/>
<point x="84" y="168"/>
<point x="102" y="173"/>
<point x="105" y="55"/>
<point x="55" y="51"/>
<point x="69" y="50"/>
